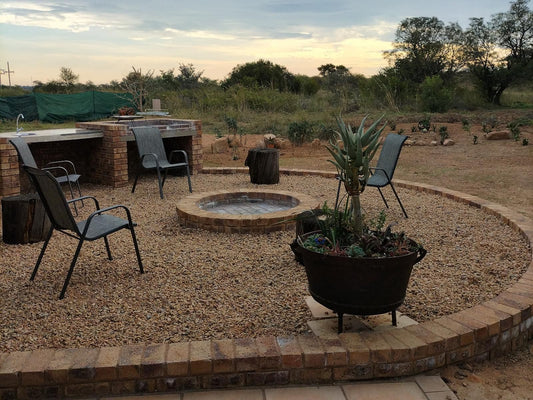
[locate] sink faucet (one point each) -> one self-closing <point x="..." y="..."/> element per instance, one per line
<point x="18" y="117"/>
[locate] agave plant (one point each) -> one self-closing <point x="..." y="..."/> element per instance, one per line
<point x="351" y="156"/>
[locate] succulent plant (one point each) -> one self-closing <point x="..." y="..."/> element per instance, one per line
<point x="352" y="156"/>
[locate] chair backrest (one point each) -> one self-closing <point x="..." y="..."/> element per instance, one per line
<point x="23" y="151"/>
<point x="149" y="140"/>
<point x="53" y="199"/>
<point x="390" y="152"/>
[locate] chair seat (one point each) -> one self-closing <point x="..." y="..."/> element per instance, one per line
<point x="378" y="180"/>
<point x="163" y="164"/>
<point x="102" y="225"/>
<point x="67" y="178"/>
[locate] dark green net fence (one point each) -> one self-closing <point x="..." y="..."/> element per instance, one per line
<point x="85" y="106"/>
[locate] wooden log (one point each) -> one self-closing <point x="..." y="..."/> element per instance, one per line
<point x="24" y="219"/>
<point x="263" y="165"/>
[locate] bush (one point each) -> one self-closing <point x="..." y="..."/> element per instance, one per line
<point x="300" y="132"/>
<point x="434" y="96"/>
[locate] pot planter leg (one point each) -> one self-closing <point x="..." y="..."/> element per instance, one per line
<point x="394" y="322"/>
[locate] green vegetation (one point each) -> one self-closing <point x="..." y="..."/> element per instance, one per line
<point x="433" y="68"/>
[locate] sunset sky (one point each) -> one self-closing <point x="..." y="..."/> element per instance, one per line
<point x="102" y="40"/>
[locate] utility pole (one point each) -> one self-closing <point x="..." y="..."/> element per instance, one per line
<point x="9" y="72"/>
<point x="2" y="72"/>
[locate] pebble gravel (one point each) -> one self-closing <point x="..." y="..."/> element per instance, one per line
<point x="202" y="285"/>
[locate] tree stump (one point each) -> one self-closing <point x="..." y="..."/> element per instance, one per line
<point x="263" y="165"/>
<point x="24" y="219"/>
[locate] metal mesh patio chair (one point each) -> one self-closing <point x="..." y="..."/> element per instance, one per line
<point x="98" y="225"/>
<point x="61" y="174"/>
<point x="153" y="156"/>
<point x="384" y="170"/>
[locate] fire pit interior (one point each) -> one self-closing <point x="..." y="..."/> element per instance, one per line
<point x="243" y="211"/>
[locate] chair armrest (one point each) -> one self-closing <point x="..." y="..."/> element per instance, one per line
<point x="178" y="152"/>
<point x="151" y="155"/>
<point x="68" y="162"/>
<point x="62" y="169"/>
<point x="379" y="169"/>
<point x="103" y="210"/>
<point x="97" y="206"/>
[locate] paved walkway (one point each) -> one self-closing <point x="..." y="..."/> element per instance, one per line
<point x="415" y="388"/>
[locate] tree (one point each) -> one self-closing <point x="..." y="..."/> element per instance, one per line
<point x="339" y="80"/>
<point x="138" y="85"/>
<point x="515" y="34"/>
<point x="500" y="52"/>
<point x="486" y="66"/>
<point x="424" y="47"/>
<point x="263" y="74"/>
<point x="68" y="79"/>
<point x="188" y="78"/>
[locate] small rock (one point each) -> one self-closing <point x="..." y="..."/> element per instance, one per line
<point x="316" y="143"/>
<point x="448" y="142"/>
<point x="498" y="135"/>
<point x="282" y="144"/>
<point x="460" y="374"/>
<point x="220" y="145"/>
<point x="434" y="143"/>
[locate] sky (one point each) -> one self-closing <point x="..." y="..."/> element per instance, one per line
<point x="103" y="40"/>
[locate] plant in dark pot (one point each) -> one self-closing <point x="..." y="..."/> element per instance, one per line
<point x="354" y="267"/>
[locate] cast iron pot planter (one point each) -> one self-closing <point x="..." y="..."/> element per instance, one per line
<point x="358" y="286"/>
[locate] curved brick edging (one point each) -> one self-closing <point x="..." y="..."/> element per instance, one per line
<point x="482" y="332"/>
<point x="192" y="215"/>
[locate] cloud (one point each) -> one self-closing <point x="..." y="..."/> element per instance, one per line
<point x="59" y="16"/>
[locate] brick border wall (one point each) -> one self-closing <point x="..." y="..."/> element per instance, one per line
<point x="488" y="330"/>
<point x="191" y="215"/>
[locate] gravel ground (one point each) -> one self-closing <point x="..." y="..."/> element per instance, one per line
<point x="203" y="285"/>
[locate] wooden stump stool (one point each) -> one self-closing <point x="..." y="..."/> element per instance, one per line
<point x="24" y="219"/>
<point x="263" y="165"/>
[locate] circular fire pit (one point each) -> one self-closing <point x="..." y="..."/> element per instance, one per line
<point x="243" y="211"/>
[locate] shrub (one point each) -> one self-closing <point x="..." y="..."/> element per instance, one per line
<point x="300" y="132"/>
<point x="443" y="133"/>
<point x="434" y="95"/>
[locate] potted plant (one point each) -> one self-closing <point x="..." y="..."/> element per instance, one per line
<point x="352" y="266"/>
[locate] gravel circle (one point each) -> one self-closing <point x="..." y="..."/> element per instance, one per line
<point x="202" y="285"/>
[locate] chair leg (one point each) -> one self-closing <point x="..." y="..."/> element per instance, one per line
<point x="135" y="182"/>
<point x="137" y="252"/>
<point x="106" y="241"/>
<point x="72" y="264"/>
<point x="160" y="183"/>
<point x="164" y="178"/>
<point x="79" y="192"/>
<point x="41" y="254"/>
<point x="72" y="196"/>
<point x="397" y="198"/>
<point x="383" y="197"/>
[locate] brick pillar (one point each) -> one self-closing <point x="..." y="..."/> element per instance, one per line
<point x="197" y="153"/>
<point x="115" y="150"/>
<point x="9" y="169"/>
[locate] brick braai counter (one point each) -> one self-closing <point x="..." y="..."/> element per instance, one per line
<point x="104" y="152"/>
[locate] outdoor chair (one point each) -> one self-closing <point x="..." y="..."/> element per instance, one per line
<point x="153" y="156"/>
<point x="98" y="225"/>
<point x="60" y="173"/>
<point x="384" y="170"/>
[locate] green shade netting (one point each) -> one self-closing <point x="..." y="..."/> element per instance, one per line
<point x="85" y="106"/>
